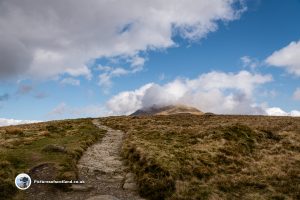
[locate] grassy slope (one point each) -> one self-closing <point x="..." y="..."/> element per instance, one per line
<point x="213" y="157"/>
<point x="26" y="146"/>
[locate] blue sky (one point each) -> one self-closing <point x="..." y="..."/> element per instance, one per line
<point x="232" y="57"/>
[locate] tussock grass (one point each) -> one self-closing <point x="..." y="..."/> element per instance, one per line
<point x="59" y="143"/>
<point x="213" y="156"/>
<point x="14" y="131"/>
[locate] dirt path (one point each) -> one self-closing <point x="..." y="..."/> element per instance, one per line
<point x="102" y="169"/>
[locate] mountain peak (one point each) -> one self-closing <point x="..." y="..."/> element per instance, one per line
<point x="167" y="110"/>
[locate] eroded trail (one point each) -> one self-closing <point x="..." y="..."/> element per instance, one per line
<point x="102" y="169"/>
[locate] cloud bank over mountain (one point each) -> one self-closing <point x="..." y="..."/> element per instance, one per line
<point x="216" y="92"/>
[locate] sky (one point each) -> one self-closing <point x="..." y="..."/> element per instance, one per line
<point x="70" y="59"/>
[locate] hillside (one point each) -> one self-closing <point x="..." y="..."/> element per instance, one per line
<point x="167" y="110"/>
<point x="172" y="156"/>
<point x="48" y="150"/>
<point x="213" y="156"/>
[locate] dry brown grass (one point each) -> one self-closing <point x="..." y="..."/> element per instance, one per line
<point x="213" y="156"/>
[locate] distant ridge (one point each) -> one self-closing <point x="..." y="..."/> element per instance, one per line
<point x="167" y="110"/>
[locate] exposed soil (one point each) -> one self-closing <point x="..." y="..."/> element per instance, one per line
<point x="45" y="171"/>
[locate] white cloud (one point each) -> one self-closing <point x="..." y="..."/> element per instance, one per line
<point x="109" y="73"/>
<point x="276" y="111"/>
<point x="216" y="92"/>
<point x="8" y="122"/>
<point x="105" y="80"/>
<point x="295" y="113"/>
<point x="61" y="37"/>
<point x="243" y="81"/>
<point x="104" y="68"/>
<point x="296" y="94"/>
<point x="64" y="111"/>
<point x="59" y="110"/>
<point x="118" y="71"/>
<point x="128" y="101"/>
<point x="247" y="61"/>
<point x="287" y="57"/>
<point x="82" y="71"/>
<point x="137" y="63"/>
<point x="70" y="81"/>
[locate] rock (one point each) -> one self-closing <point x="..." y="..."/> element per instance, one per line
<point x="130" y="174"/>
<point x="130" y="186"/>
<point x="118" y="177"/>
<point x="130" y="177"/>
<point x="81" y="187"/>
<point x="103" y="197"/>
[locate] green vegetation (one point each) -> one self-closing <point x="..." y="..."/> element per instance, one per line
<point x="213" y="156"/>
<point x="58" y="143"/>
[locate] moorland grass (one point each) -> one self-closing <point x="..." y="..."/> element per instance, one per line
<point x="213" y="156"/>
<point x="60" y="143"/>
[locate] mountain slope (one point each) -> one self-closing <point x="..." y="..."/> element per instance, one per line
<point x="167" y="110"/>
<point x="212" y="157"/>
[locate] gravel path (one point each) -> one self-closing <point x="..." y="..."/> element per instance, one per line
<point x="102" y="169"/>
